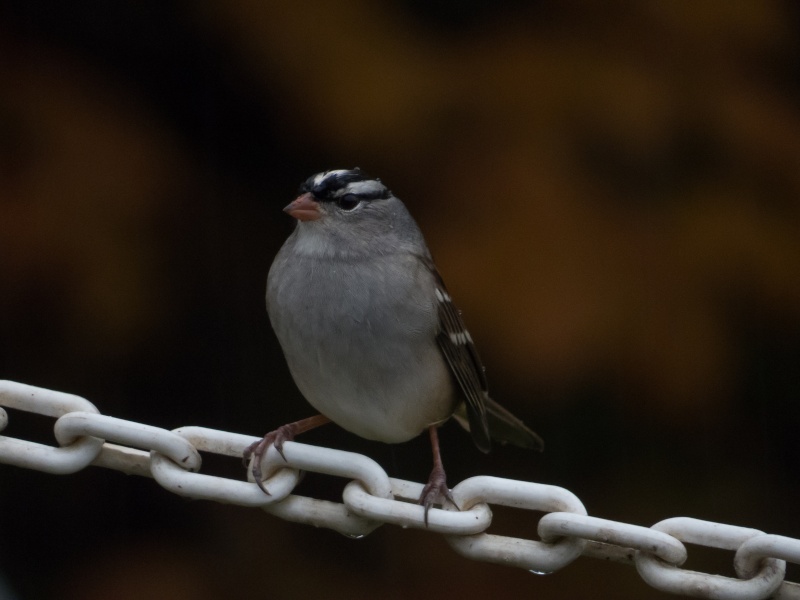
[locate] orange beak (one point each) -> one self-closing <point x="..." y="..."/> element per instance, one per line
<point x="304" y="208"/>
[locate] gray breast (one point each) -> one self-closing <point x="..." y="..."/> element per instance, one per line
<point x="359" y="339"/>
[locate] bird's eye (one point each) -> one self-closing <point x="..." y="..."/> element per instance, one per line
<point x="348" y="202"/>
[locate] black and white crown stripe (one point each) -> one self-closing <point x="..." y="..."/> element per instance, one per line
<point x="331" y="185"/>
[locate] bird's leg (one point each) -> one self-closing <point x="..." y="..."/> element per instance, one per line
<point x="284" y="433"/>
<point x="436" y="488"/>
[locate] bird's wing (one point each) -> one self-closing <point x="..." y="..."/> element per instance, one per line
<point x="462" y="357"/>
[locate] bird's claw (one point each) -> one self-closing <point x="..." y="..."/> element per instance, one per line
<point x="436" y="492"/>
<point x="257" y="450"/>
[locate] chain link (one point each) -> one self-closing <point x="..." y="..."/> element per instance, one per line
<point x="671" y="578"/>
<point x="372" y="498"/>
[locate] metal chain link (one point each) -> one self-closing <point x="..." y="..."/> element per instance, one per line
<point x="372" y="498"/>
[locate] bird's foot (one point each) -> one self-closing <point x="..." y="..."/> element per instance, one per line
<point x="284" y="433"/>
<point x="436" y="491"/>
<point x="257" y="451"/>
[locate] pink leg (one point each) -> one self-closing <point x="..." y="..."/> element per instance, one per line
<point x="284" y="433"/>
<point x="436" y="489"/>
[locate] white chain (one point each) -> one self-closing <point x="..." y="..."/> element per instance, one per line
<point x="372" y="498"/>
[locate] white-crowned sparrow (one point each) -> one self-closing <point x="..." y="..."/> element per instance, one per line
<point x="370" y="333"/>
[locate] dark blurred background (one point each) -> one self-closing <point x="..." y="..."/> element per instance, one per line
<point x="610" y="190"/>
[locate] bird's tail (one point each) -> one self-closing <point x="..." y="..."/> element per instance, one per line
<point x="504" y="427"/>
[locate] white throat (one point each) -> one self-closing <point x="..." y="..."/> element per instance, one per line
<point x="310" y="241"/>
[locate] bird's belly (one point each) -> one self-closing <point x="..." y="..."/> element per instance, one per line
<point x="391" y="398"/>
<point x="377" y="371"/>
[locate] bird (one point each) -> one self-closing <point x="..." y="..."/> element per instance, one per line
<point x="370" y="333"/>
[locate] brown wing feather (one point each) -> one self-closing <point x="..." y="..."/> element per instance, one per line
<point x="462" y="357"/>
